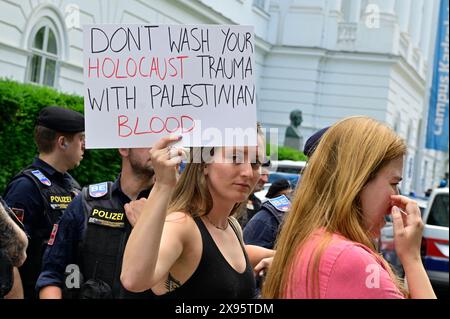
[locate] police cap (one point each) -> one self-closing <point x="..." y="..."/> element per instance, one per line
<point x="313" y="141"/>
<point x="61" y="119"/>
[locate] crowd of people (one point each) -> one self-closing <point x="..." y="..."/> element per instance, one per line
<point x="156" y="234"/>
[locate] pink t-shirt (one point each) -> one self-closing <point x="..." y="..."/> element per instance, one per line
<point x="347" y="270"/>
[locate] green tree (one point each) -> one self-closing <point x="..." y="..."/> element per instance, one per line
<point x="19" y="107"/>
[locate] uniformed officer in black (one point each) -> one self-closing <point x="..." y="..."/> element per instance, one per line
<point x="40" y="193"/>
<point x="92" y="235"/>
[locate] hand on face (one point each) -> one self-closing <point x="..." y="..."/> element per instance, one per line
<point x="407" y="228"/>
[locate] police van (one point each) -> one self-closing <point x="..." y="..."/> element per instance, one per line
<point x="435" y="238"/>
<point x="287" y="169"/>
<point x="284" y="169"/>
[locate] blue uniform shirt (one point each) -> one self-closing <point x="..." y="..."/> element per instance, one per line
<point x="70" y="233"/>
<point x="262" y="229"/>
<point x="24" y="194"/>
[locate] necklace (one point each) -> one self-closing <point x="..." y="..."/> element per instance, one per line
<point x="218" y="227"/>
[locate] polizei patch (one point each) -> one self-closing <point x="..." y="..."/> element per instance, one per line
<point x="59" y="201"/>
<point x="108" y="217"/>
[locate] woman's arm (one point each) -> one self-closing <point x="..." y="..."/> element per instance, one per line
<point x="153" y="246"/>
<point x="13" y="241"/>
<point x="17" y="288"/>
<point x="257" y="253"/>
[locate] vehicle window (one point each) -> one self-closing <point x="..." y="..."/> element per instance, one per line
<point x="439" y="211"/>
<point x="293" y="178"/>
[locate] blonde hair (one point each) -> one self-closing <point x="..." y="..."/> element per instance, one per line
<point x="349" y="155"/>
<point x="191" y="194"/>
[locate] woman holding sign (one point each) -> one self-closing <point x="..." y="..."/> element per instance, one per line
<point x="186" y="244"/>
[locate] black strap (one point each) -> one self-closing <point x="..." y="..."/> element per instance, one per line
<point x="237" y="230"/>
<point x="6" y="275"/>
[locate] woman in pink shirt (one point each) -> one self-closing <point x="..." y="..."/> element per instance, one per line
<point x="326" y="248"/>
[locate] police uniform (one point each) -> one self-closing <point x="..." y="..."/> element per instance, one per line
<point x="262" y="229"/>
<point x="92" y="234"/>
<point x="39" y="194"/>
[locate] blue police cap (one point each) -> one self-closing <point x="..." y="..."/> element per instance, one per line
<point x="313" y="141"/>
<point x="61" y="119"/>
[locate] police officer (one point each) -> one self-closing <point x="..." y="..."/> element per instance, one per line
<point x="13" y="244"/>
<point x="253" y="202"/>
<point x="262" y="229"/>
<point x="40" y="193"/>
<point x="84" y="256"/>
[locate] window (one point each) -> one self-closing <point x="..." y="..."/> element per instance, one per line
<point x="44" y="59"/>
<point x="439" y="211"/>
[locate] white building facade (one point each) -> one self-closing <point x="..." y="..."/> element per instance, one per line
<point x="328" y="58"/>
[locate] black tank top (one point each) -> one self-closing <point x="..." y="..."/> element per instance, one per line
<point x="214" y="277"/>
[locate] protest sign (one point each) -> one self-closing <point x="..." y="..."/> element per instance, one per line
<point x="143" y="82"/>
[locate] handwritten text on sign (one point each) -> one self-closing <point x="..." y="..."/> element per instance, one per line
<point x="143" y="82"/>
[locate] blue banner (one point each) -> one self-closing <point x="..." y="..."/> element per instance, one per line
<point x="437" y="129"/>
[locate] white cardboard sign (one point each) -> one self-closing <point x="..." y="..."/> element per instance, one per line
<point x="143" y="82"/>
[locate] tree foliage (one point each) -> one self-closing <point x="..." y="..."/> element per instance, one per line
<point x="19" y="107"/>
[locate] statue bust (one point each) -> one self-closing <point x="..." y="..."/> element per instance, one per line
<point x="293" y="138"/>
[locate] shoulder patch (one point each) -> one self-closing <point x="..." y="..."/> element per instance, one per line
<point x="18" y="213"/>
<point x="98" y="190"/>
<point x="41" y="177"/>
<point x="281" y="203"/>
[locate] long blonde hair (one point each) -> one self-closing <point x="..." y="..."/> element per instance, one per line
<point x="348" y="156"/>
<point x="191" y="194"/>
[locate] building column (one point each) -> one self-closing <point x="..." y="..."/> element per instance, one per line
<point x="425" y="36"/>
<point x="284" y="6"/>
<point x="415" y="23"/>
<point x="386" y="6"/>
<point x="355" y="11"/>
<point x="335" y="5"/>
<point x="403" y="9"/>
